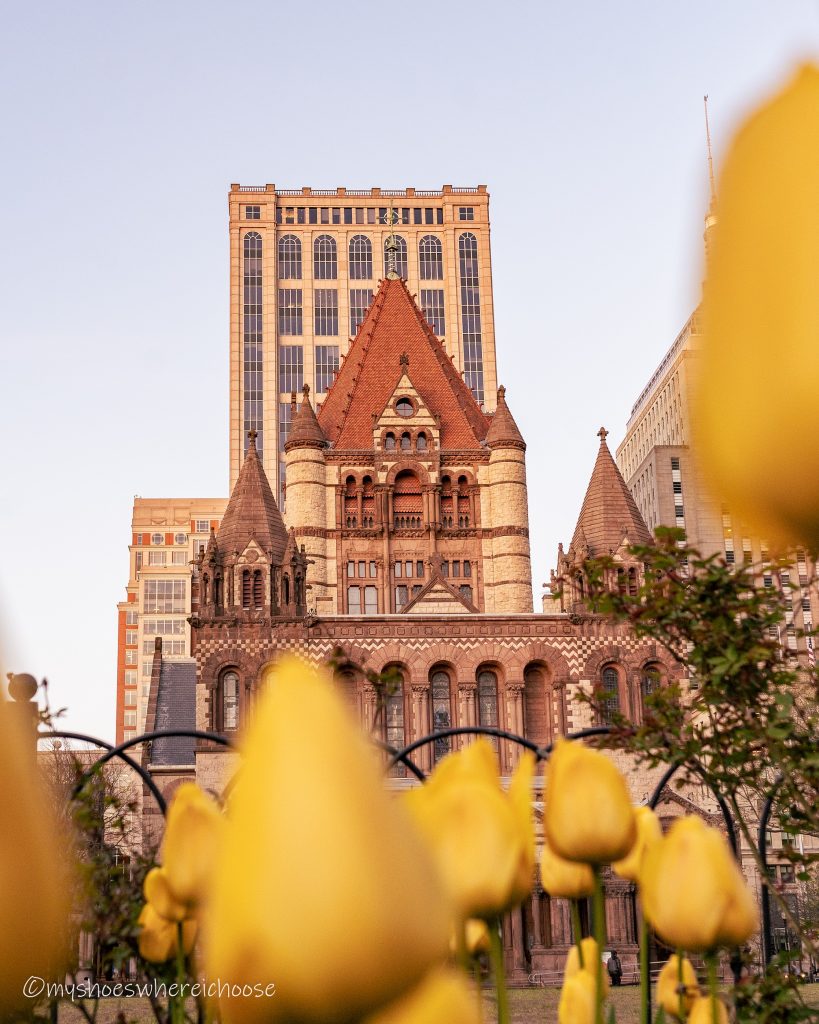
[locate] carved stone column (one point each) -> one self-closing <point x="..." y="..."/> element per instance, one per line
<point x="370" y="705"/>
<point x="467" y="708"/>
<point x="514" y="722"/>
<point x="420" y="724"/>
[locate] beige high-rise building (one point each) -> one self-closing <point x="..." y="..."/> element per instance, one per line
<point x="304" y="265"/>
<point x="166" y="534"/>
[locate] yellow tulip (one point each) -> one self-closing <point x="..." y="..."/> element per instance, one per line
<point x="649" y="832"/>
<point x="34" y="890"/>
<point x="443" y="997"/>
<point x="761" y="321"/>
<point x="324" y="887"/>
<point x="158" y="894"/>
<point x="702" y="1011"/>
<point x="577" y="999"/>
<point x="588" y="814"/>
<point x="476" y="937"/>
<point x="482" y="838"/>
<point x="190" y="848"/>
<point x="692" y="890"/>
<point x="591" y="957"/>
<point x="158" y="937"/>
<point x="669" y="986"/>
<point x="565" y="878"/>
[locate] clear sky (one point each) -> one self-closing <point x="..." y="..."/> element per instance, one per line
<point x="123" y="126"/>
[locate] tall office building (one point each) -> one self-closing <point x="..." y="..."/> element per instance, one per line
<point x="166" y="534"/>
<point x="304" y="265"/>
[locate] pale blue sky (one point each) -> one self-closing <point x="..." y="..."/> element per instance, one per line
<point x="124" y="125"/>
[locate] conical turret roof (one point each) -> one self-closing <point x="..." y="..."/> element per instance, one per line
<point x="304" y="429"/>
<point x="503" y="430"/>
<point x="609" y="512"/>
<point x="252" y="513"/>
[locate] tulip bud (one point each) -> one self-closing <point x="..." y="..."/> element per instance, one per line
<point x="577" y="999"/>
<point x="324" y="888"/>
<point x="476" y="937"/>
<point x="577" y="777"/>
<point x="482" y="838"/>
<point x="649" y="832"/>
<point x="193" y="834"/>
<point x="443" y="997"/>
<point x="159" y="937"/>
<point x="156" y="892"/>
<point x="34" y="892"/>
<point x="591" y="957"/>
<point x="703" y="1011"/>
<point x="692" y="890"/>
<point x="761" y="321"/>
<point x="565" y="878"/>
<point x="670" y="988"/>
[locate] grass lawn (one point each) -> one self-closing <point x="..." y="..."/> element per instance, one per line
<point x="529" y="1006"/>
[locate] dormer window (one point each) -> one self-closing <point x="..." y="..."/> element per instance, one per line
<point x="404" y="407"/>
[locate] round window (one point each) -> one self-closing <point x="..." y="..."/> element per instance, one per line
<point x="404" y="407"/>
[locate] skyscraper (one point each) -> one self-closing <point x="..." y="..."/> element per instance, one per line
<point x="304" y="265"/>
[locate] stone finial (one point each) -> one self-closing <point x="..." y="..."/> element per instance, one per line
<point x="306" y="390"/>
<point x="602" y="433"/>
<point x="501" y="393"/>
<point x="404" y="360"/>
<point x="22" y="686"/>
<point x="251" y="436"/>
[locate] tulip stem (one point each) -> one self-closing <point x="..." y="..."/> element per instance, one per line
<point x="645" y="973"/>
<point x="681" y="983"/>
<point x="578" y="930"/>
<point x="178" y="1001"/>
<point x="599" y="913"/>
<point x="496" y="955"/>
<point x="711" y="964"/>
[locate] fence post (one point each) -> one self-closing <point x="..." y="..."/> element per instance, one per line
<point x="23" y="707"/>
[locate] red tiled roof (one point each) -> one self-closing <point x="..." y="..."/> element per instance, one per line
<point x="371" y="370"/>
<point x="608" y="510"/>
<point x="252" y="512"/>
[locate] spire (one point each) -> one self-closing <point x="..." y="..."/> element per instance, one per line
<point x="609" y="511"/>
<point x="503" y="431"/>
<point x="711" y="185"/>
<point x="305" y="431"/>
<point x="391" y="246"/>
<point x="252" y="513"/>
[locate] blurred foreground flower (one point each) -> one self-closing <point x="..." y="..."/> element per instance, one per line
<point x="708" y="1010"/>
<point x="588" y="814"/>
<point x="649" y="832"/>
<point x="34" y="889"/>
<point x="483" y="839"/>
<point x="324" y="888"/>
<point x="670" y="988"/>
<point x="761" y="317"/>
<point x="158" y="936"/>
<point x="693" y="891"/>
<point x="565" y="878"/>
<point x="591" y="955"/>
<point x="443" y="997"/>
<point x="577" y="999"/>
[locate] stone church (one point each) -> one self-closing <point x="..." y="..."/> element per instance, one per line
<point x="407" y="549"/>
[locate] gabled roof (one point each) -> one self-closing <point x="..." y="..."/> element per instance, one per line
<point x="438" y="595"/>
<point x="252" y="512"/>
<point x="503" y="430"/>
<point x="175" y="709"/>
<point x="609" y="512"/>
<point x="368" y="376"/>
<point x="304" y="428"/>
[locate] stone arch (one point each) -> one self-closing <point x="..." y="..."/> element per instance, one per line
<point x="538" y="712"/>
<point x="404" y="465"/>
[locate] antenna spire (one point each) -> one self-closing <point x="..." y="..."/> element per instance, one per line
<point x="711" y="184"/>
<point x="391" y="245"/>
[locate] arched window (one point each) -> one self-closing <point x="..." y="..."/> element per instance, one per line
<point x="217" y="591"/>
<point x="632" y="582"/>
<point x="348" y="685"/>
<point x="447" y="504"/>
<point x="350" y="502"/>
<point x="325" y="262"/>
<point x="487" y="698"/>
<point x="430" y="258"/>
<point x="285" y="590"/>
<point x="421" y="443"/>
<point x="368" y="503"/>
<point x="610" y="694"/>
<point x="289" y="258"/>
<point x="406" y="442"/>
<point x="650" y="679"/>
<point x="389" y="442"/>
<point x="258" y="589"/>
<point x="407" y="501"/>
<point x="400" y="255"/>
<point x="247" y="593"/>
<point x="394" y="719"/>
<point x="441" y="713"/>
<point x="464" y="503"/>
<point x="230" y="701"/>
<point x="471" y="313"/>
<point x="536" y="716"/>
<point x="361" y="258"/>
